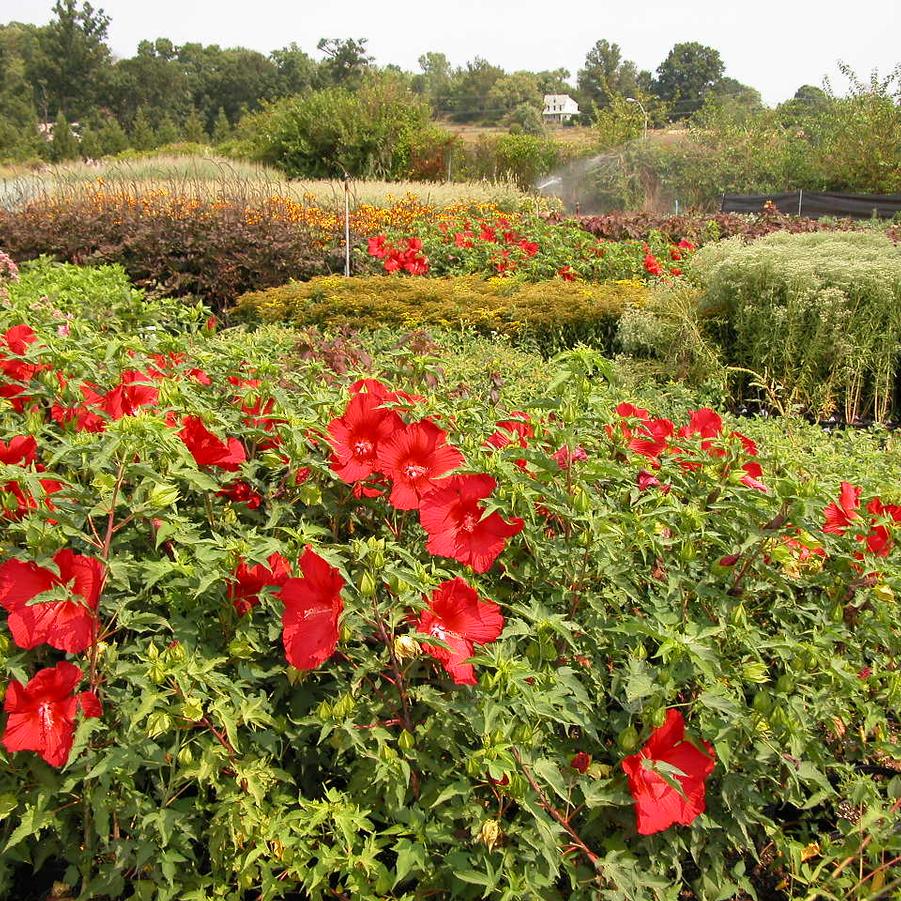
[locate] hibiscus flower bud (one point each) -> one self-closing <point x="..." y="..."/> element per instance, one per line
<point x="406" y="647"/>
<point x="163" y="495"/>
<point x="185" y="757"/>
<point x="580" y="762"/>
<point x="406" y="740"/>
<point x="490" y="834"/>
<point x="367" y="585"/>
<point x="628" y="738"/>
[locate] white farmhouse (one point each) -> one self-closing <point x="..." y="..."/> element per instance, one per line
<point x="559" y="108"/>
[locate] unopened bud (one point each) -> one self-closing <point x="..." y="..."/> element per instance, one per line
<point x="406" y="647"/>
<point x="490" y="834"/>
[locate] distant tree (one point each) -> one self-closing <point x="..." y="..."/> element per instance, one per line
<point x="435" y="81"/>
<point x="222" y="129"/>
<point x="112" y="137"/>
<point x="554" y="81"/>
<point x="153" y="79"/>
<point x="194" y="129"/>
<point x="526" y="119"/>
<point x="345" y="60"/>
<point x="89" y="143"/>
<point x="19" y="136"/>
<point x="64" y="144"/>
<point x="71" y="58"/>
<point x="606" y="74"/>
<point x="686" y="76"/>
<point x="469" y="101"/>
<point x="167" y="132"/>
<point x="511" y="92"/>
<point x="142" y="136"/>
<point x="297" y="71"/>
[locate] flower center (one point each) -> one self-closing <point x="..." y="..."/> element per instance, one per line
<point x="363" y="448"/>
<point x="469" y="522"/>
<point x="415" y="471"/>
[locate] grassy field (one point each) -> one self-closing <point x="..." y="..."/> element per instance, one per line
<point x="214" y="176"/>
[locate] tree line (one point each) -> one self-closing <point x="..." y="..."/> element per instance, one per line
<point x="65" y="73"/>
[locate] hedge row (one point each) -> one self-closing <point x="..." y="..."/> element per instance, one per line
<point x="551" y="314"/>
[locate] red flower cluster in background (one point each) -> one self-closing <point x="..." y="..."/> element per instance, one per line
<point x="407" y="258"/>
<point x="652" y="438"/>
<point x="844" y="514"/>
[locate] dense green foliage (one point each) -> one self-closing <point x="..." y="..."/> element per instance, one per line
<point x="812" y="321"/>
<point x="216" y="770"/>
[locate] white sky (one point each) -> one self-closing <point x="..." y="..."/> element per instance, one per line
<point x="773" y="45"/>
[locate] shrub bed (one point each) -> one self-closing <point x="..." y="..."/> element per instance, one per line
<point x="528" y="247"/>
<point x="181" y="245"/>
<point x="817" y="317"/>
<point x="701" y="228"/>
<point x="303" y="635"/>
<point x="552" y="315"/>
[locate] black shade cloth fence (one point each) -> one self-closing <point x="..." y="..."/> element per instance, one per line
<point x="815" y="204"/>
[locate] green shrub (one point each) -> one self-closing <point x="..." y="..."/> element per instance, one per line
<point x="216" y="770"/>
<point x="817" y="317"/>
<point x="552" y="314"/>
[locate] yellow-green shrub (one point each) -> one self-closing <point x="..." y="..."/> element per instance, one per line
<point x="552" y="314"/>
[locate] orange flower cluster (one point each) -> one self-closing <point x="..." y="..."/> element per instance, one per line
<point x="325" y="222"/>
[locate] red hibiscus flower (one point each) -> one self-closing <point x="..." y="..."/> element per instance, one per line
<point x="207" y="449"/>
<point x="565" y="457"/>
<point x="652" y="265"/>
<point x="651" y="438"/>
<point x="512" y="431"/>
<point x="42" y="713"/>
<point x="84" y="418"/>
<point x="312" y="607"/>
<point x="376" y="247"/>
<point x="685" y="244"/>
<point x="68" y="625"/>
<point x="646" y="480"/>
<point x="879" y="538"/>
<point x="242" y="492"/>
<point x="581" y="761"/>
<point x="567" y="273"/>
<point x="457" y="616"/>
<point x="840" y="516"/>
<point x="752" y="473"/>
<point x="18" y="338"/>
<point x="127" y="398"/>
<point x="21" y="450"/>
<point x="457" y="525"/>
<point x="356" y="435"/>
<point x="414" y="458"/>
<point x="667" y="758"/>
<point x="529" y="248"/>
<point x="705" y="423"/>
<point x="244" y="590"/>
<point x="630" y="411"/>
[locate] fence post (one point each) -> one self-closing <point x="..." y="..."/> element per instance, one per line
<point x="800" y="195"/>
<point x="346" y="224"/>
